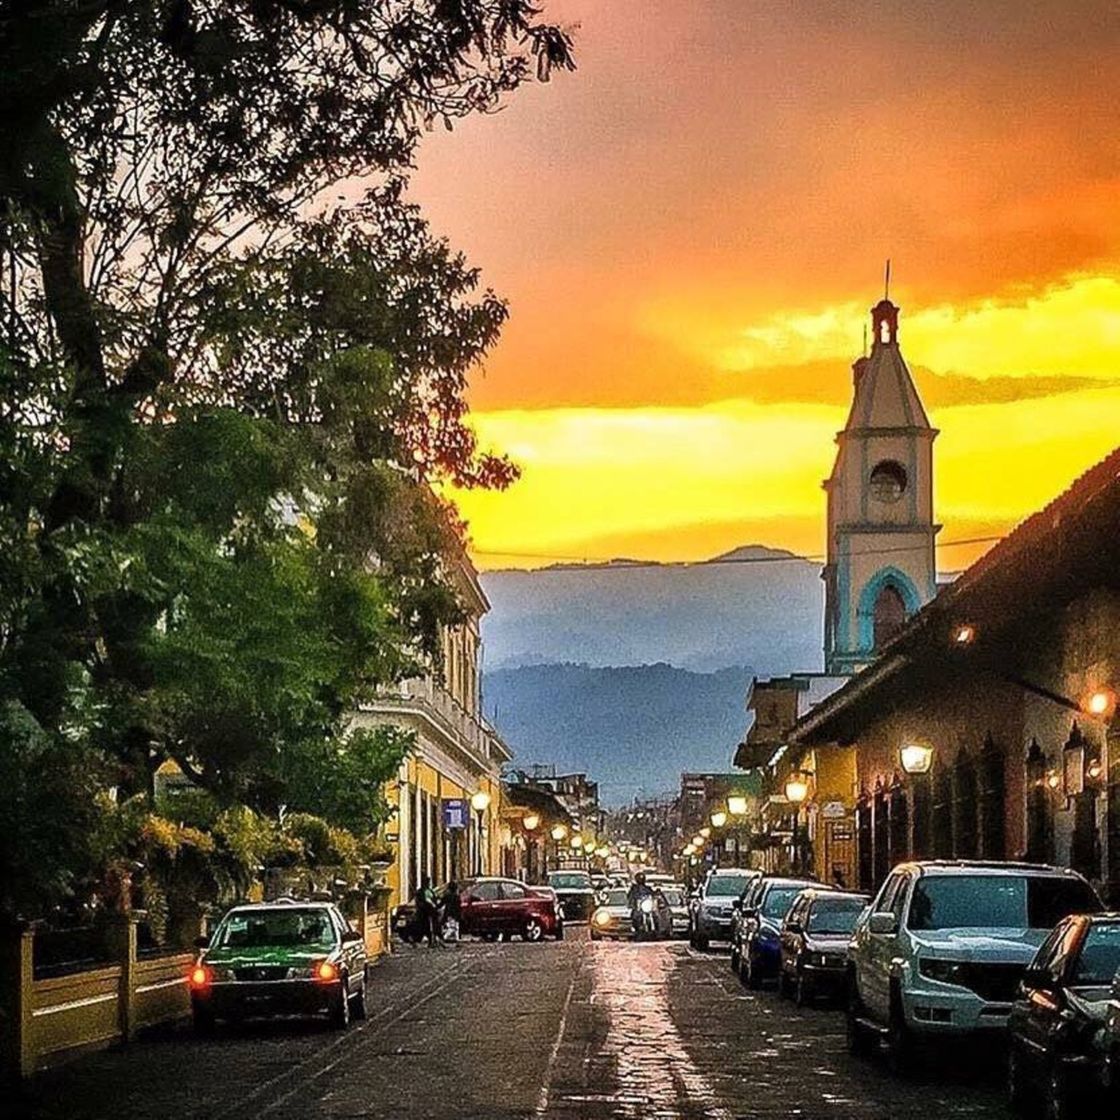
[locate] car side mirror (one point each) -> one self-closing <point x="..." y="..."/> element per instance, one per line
<point x="202" y="942"/>
<point x="1039" y="979"/>
<point x="350" y="936"/>
<point x="882" y="922"/>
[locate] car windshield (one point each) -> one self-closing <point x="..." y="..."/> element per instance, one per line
<point x="617" y="898"/>
<point x="724" y="886"/>
<point x="1100" y="956"/>
<point x="257" y="929"/>
<point x="997" y="901"/>
<point x="835" y="915"/>
<point x="570" y="880"/>
<point x="778" y="900"/>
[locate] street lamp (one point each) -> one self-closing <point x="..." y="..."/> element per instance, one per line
<point x="576" y="842"/>
<point x="480" y="802"/>
<point x="737" y="805"/>
<point x="797" y="788"/>
<point x="603" y="852"/>
<point x="705" y="832"/>
<point x="916" y="758"/>
<point x="1100" y="702"/>
<point x="698" y="841"/>
<point x="797" y="791"/>
<point x="531" y="821"/>
<point x="559" y="831"/>
<point x="719" y="818"/>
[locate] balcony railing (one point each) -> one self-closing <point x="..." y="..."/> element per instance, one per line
<point x="472" y="733"/>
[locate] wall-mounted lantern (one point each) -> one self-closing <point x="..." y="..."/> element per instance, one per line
<point x="916" y="758"/>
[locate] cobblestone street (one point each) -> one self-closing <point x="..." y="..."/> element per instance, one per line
<point x="563" y="1030"/>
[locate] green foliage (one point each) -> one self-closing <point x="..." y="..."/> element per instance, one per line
<point x="49" y="814"/>
<point x="343" y="780"/>
<point x="224" y="401"/>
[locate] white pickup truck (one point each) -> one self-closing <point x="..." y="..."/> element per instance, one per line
<point x="943" y="947"/>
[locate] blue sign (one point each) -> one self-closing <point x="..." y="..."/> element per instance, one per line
<point x="455" y="812"/>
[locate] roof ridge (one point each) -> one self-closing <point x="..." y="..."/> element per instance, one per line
<point x="1085" y="486"/>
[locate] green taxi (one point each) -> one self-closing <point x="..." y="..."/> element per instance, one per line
<point x="280" y="958"/>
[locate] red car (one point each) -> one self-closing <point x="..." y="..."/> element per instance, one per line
<point x="495" y="907"/>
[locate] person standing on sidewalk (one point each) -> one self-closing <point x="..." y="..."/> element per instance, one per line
<point x="427" y="911"/>
<point x="452" y="911"/>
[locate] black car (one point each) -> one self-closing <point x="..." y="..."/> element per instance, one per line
<point x="814" y="943"/>
<point x="574" y="892"/>
<point x="1057" y="1024"/>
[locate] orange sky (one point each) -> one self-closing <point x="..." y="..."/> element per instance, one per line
<point x="690" y="230"/>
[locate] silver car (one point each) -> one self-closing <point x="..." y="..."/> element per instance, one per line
<point x="712" y="911"/>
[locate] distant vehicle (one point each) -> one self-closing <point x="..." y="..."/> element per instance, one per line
<point x="757" y="947"/>
<point x="279" y="958"/>
<point x="677" y="900"/>
<point x="944" y="946"/>
<point x="575" y="892"/>
<point x="611" y="918"/>
<point x="814" y="943"/>
<point x="1057" y="1048"/>
<point x="712" y="910"/>
<point x="492" y="908"/>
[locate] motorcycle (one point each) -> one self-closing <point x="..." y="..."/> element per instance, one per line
<point x="643" y="919"/>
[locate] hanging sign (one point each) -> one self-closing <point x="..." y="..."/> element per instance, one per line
<point x="455" y="812"/>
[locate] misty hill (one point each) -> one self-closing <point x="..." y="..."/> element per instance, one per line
<point x="753" y="606"/>
<point x="634" y="729"/>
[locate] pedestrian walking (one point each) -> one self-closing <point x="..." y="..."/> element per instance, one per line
<point x="427" y="911"/>
<point x="452" y="911"/>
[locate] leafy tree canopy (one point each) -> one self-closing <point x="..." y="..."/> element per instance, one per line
<point x="232" y="365"/>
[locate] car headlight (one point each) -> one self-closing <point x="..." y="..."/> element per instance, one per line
<point x="945" y="972"/>
<point x="647" y="905"/>
<point x="602" y="917"/>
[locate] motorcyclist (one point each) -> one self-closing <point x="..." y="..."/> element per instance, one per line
<point x="639" y="889"/>
<point x="638" y="893"/>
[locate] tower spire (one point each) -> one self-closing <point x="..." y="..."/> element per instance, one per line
<point x="887" y="280"/>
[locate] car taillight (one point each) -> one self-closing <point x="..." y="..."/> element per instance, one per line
<point x="326" y="971"/>
<point x="200" y="976"/>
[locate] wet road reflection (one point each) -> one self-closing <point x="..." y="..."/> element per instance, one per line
<point x="653" y="1073"/>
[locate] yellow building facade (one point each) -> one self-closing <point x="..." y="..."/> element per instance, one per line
<point x="458" y="758"/>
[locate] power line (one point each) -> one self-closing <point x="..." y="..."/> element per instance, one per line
<point x="623" y="564"/>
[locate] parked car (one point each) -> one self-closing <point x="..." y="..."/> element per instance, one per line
<point x="759" y="920"/>
<point x="944" y="946"/>
<point x="279" y="958"/>
<point x="492" y="908"/>
<point x="677" y="900"/>
<point x="712" y="909"/>
<point x="814" y="943"/>
<point x="1058" y="1045"/>
<point x="575" y="893"/>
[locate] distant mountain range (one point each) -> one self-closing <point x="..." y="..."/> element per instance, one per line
<point x="634" y="671"/>
<point x="753" y="606"/>
<point x="633" y="729"/>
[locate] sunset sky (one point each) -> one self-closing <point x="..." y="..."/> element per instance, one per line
<point x="691" y="228"/>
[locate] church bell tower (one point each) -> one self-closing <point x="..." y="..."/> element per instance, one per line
<point x="881" y="566"/>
